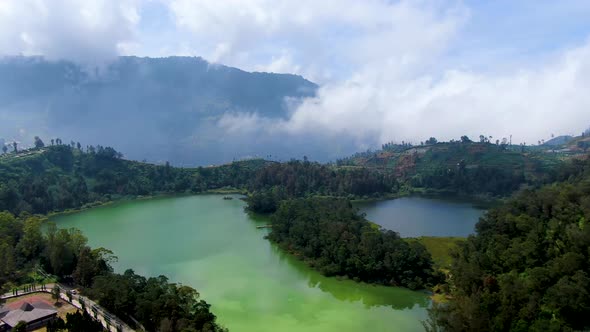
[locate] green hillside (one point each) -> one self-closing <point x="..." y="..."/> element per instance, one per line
<point x="527" y="266"/>
<point x="468" y="167"/>
<point x="61" y="177"/>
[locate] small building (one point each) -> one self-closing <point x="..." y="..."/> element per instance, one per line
<point x="35" y="314"/>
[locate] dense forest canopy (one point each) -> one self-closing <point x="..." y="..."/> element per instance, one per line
<point x="330" y="235"/>
<point x="62" y="177"/>
<point x="57" y="176"/>
<point x="527" y="268"/>
<point x="468" y="167"/>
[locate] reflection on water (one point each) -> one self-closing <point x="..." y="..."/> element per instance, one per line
<point x="420" y="216"/>
<point x="352" y="291"/>
<point x="211" y="244"/>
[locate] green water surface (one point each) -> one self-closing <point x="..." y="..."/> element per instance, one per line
<point x="212" y="245"/>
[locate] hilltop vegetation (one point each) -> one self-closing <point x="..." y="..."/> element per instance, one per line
<point x="281" y="181"/>
<point x="60" y="177"/>
<point x="527" y="268"/>
<point x="466" y="167"/>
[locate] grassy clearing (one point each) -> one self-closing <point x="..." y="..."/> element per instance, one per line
<point x="440" y="248"/>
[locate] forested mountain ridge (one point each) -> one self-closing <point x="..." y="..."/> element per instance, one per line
<point x="210" y="84"/>
<point x="534" y="244"/>
<point x="468" y="167"/>
<point x="153" y="108"/>
<point x="527" y="267"/>
<point x="61" y="177"/>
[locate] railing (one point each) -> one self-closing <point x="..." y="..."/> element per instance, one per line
<point x="109" y="321"/>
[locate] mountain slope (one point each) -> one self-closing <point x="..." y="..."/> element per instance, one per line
<point x="466" y="167"/>
<point x="158" y="108"/>
<point x="559" y="140"/>
<point x="527" y="267"/>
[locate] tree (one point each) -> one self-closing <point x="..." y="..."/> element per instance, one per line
<point x="8" y="259"/>
<point x="79" y="146"/>
<point x="32" y="242"/>
<point x="38" y="142"/>
<point x="56" y="325"/>
<point x="63" y="245"/>
<point x="431" y="141"/>
<point x="82" y="322"/>
<point x="4" y="149"/>
<point x="14" y="145"/>
<point x="465" y="139"/>
<point x="20" y="327"/>
<point x="482" y="139"/>
<point x="55" y="293"/>
<point x="526" y="269"/>
<point x="92" y="263"/>
<point x="52" y="142"/>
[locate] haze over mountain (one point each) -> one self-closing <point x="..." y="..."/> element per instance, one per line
<point x="386" y="70"/>
<point x="160" y="109"/>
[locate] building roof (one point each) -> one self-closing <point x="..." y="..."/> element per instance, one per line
<point x="27" y="312"/>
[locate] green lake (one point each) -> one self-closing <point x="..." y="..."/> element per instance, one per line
<point x="212" y="245"/>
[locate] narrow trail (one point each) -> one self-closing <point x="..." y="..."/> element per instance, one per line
<point x="109" y="321"/>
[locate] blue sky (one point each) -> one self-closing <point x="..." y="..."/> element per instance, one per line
<point x="509" y="31"/>
<point x="502" y="30"/>
<point x="389" y="70"/>
<point x="494" y="35"/>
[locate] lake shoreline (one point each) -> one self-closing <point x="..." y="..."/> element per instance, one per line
<point x="206" y="240"/>
<point x="128" y="199"/>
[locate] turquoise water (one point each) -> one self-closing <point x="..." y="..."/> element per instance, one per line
<point x="212" y="245"/>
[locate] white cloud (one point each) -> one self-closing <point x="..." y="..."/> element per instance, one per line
<point x="320" y="39"/>
<point x="280" y="64"/>
<point x="390" y="70"/>
<point x="530" y="103"/>
<point x="89" y="31"/>
<point x="386" y="74"/>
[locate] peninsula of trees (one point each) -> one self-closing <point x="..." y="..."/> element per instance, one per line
<point x="331" y="236"/>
